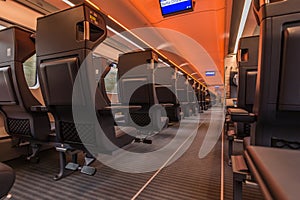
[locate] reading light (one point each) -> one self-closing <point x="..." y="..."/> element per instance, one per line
<point x="69" y="3"/>
<point x="242" y="23"/>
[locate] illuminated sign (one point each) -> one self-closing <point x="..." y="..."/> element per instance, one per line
<point x="170" y="7"/>
<point x="210" y="73"/>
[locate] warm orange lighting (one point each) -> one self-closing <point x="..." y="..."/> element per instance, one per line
<point x="162" y="55"/>
<point x="92" y="4"/>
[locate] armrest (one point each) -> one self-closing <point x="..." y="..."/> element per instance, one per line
<point x="166" y="105"/>
<point x="237" y="111"/>
<point x="122" y="107"/>
<point x="241" y="115"/>
<point x="39" y="108"/>
<point x="250" y="118"/>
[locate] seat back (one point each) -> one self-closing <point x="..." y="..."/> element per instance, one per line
<point x="102" y="69"/>
<point x="166" y="91"/>
<point x="67" y="75"/>
<point x="277" y="99"/>
<point x="247" y="71"/>
<point x="16" y="99"/>
<point x="137" y="87"/>
<point x="202" y="97"/>
<point x="136" y="75"/>
<point x="191" y="91"/>
<point x="182" y="88"/>
<point x="165" y="80"/>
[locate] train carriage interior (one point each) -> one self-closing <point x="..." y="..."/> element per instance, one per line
<point x="152" y="99"/>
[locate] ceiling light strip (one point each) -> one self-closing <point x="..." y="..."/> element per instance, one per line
<point x="94" y="5"/>
<point x="125" y="28"/>
<point x="125" y="38"/>
<point x="244" y="16"/>
<point x="69" y="3"/>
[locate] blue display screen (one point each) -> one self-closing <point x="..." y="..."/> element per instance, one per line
<point x="169" y="7"/>
<point x="210" y="73"/>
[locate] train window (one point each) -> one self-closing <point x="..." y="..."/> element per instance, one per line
<point x="29" y="67"/>
<point x="111" y="83"/>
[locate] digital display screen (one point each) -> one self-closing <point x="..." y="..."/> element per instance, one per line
<point x="171" y="7"/>
<point x="210" y="73"/>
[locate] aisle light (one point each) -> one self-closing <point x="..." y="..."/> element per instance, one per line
<point x="245" y="12"/>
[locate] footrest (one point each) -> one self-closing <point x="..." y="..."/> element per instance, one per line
<point x="72" y="166"/>
<point x="88" y="160"/>
<point x="88" y="170"/>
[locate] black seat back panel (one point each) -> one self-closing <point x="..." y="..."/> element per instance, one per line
<point x="289" y="97"/>
<point x="7" y="95"/>
<point x="59" y="77"/>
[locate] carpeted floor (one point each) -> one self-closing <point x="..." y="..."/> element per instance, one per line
<point x="189" y="177"/>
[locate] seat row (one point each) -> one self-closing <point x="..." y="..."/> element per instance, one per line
<point x="83" y="114"/>
<point x="268" y="114"/>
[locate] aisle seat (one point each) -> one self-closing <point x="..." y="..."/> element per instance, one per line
<point x="66" y="67"/>
<point x="136" y="86"/>
<point x="24" y="116"/>
<point x="7" y="179"/>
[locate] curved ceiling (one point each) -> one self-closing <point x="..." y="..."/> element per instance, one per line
<point x="207" y="25"/>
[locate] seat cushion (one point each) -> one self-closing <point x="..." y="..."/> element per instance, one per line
<point x="7" y="179"/>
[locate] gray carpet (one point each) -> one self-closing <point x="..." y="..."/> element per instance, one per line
<point x="187" y="178"/>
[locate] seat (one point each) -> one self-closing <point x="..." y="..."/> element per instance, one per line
<point x="242" y="115"/>
<point x="208" y="102"/>
<point x="66" y="67"/>
<point x="24" y="116"/>
<point x="192" y="96"/>
<point x="197" y="93"/>
<point x="137" y="88"/>
<point x="182" y="93"/>
<point x="247" y="73"/>
<point x="277" y="102"/>
<point x="202" y="98"/>
<point x="165" y="86"/>
<point x="282" y="176"/>
<point x="7" y="179"/>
